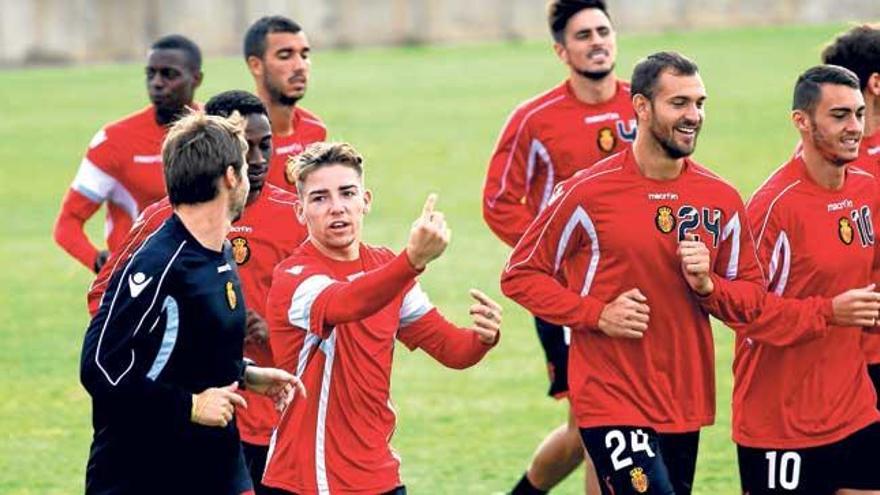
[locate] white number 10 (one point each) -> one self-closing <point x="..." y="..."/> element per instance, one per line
<point x="789" y="471"/>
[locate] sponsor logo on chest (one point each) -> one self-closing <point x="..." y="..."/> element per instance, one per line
<point x="840" y="205"/>
<point x="146" y="159"/>
<point x="290" y="149"/>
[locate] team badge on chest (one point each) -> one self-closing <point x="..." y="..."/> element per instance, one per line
<point x="241" y="251"/>
<point x="606" y="139"/>
<point x="845" y="231"/>
<point x="664" y="220"/>
<point x="639" y="480"/>
<point x="231" y="297"/>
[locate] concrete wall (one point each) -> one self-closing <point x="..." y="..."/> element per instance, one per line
<point x="101" y="30"/>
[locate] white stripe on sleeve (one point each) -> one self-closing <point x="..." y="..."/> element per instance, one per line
<point x="92" y="182"/>
<point x="415" y="305"/>
<point x="304" y="296"/>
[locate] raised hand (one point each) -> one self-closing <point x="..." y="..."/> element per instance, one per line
<point x="216" y="406"/>
<point x="486" y="315"/>
<point x="429" y="235"/>
<point x="696" y="265"/>
<point x="627" y="316"/>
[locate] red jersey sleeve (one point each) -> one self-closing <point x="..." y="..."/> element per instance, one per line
<point x="69" y="230"/>
<point x="741" y="298"/>
<point x="423" y="327"/>
<point x="319" y="302"/>
<point x="532" y="276"/>
<point x="504" y="192"/>
<point x="94" y="181"/>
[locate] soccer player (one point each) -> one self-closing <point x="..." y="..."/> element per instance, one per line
<point x="267" y="232"/>
<point x="611" y="258"/>
<point x="335" y="309"/>
<point x="162" y="359"/>
<point x="546" y="140"/>
<point x="277" y="53"/>
<point x="804" y="414"/>
<point x="123" y="165"/>
<point x="859" y="51"/>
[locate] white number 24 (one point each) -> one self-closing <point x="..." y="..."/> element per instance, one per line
<point x="617" y="440"/>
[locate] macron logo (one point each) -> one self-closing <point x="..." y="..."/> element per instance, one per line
<point x="137" y="283"/>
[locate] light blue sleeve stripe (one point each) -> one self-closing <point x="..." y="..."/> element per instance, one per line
<point x="169" y="338"/>
<point x="92" y="195"/>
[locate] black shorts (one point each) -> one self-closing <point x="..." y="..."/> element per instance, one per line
<point x="874" y="371"/>
<point x="555" y="344"/>
<point x="636" y="460"/>
<point x="255" y="460"/>
<point x="848" y="463"/>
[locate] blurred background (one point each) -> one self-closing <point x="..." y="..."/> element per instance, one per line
<point x="63" y="31"/>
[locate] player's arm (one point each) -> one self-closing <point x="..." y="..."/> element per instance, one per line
<point x="423" y="327"/>
<point x="531" y="276"/>
<point x="118" y="368"/>
<point x="69" y="230"/>
<point x="504" y="192"/>
<point x="90" y="188"/>
<point x="737" y="293"/>
<point x="319" y="302"/>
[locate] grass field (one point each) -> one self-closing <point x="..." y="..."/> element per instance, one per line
<point x="426" y="119"/>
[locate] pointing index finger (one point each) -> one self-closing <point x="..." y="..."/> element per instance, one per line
<point x="484" y="299"/>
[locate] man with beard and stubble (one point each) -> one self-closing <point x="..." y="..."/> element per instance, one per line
<point x="267" y="232"/>
<point x="618" y="256"/>
<point x="277" y="53"/>
<point x="123" y="165"/>
<point x="804" y="412"/>
<point x="859" y="51"/>
<point x="162" y="358"/>
<point x="546" y="140"/>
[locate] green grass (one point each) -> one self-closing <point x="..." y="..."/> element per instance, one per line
<point x="426" y="119"/>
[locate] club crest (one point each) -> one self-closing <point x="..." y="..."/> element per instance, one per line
<point x="845" y="230"/>
<point x="241" y="251"/>
<point x="606" y="139"/>
<point x="639" y="480"/>
<point x="231" y="297"/>
<point x="664" y="220"/>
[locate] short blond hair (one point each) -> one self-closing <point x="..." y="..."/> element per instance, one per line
<point x="196" y="153"/>
<point x="323" y="154"/>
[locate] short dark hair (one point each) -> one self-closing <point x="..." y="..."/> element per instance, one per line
<point x="255" y="38"/>
<point x="808" y="88"/>
<point x="228" y="102"/>
<point x="560" y="11"/>
<point x="649" y="69"/>
<point x="857" y="50"/>
<point x="196" y="153"/>
<point x="184" y="44"/>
